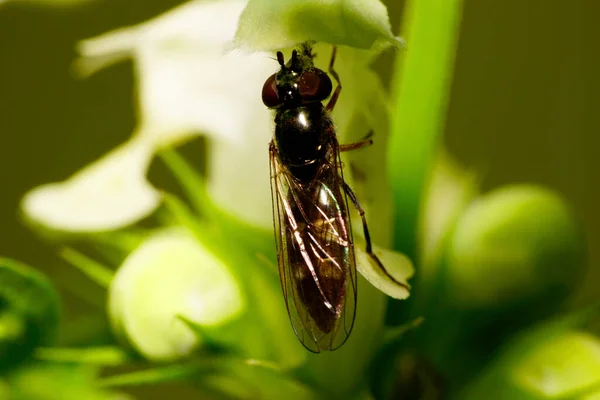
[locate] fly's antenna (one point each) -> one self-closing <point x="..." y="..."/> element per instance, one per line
<point x="280" y="59"/>
<point x="294" y="63"/>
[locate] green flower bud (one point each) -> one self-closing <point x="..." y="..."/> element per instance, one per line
<point x="543" y="365"/>
<point x="168" y="278"/>
<point x="559" y="366"/>
<point x="514" y="244"/>
<point x="29" y="312"/>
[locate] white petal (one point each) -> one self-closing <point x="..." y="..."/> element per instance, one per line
<point x="108" y="194"/>
<point x="185" y="93"/>
<point x="197" y="24"/>
<point x="238" y="168"/>
<point x="189" y="83"/>
<point x="239" y="180"/>
<point x="104" y="50"/>
<point x="396" y="264"/>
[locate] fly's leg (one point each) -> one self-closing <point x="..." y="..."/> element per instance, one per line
<point x="364" y="142"/>
<point x="338" y="88"/>
<point x="356" y="145"/>
<point x="369" y="249"/>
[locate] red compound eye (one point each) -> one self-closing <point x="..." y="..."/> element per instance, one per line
<point x="314" y="85"/>
<point x="270" y="96"/>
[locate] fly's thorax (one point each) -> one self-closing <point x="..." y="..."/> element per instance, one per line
<point x="301" y="134"/>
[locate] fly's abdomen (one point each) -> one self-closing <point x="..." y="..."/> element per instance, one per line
<point x="320" y="283"/>
<point x="319" y="255"/>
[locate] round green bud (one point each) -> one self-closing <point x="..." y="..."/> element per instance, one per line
<point x="542" y="364"/>
<point x="514" y="244"/>
<point x="564" y="364"/>
<point x="171" y="277"/>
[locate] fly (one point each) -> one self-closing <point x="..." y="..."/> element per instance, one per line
<point x="313" y="232"/>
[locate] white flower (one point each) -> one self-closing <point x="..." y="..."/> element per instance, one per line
<point x="189" y="83"/>
<point x="109" y="193"/>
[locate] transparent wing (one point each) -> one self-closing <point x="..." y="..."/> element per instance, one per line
<point x="315" y="253"/>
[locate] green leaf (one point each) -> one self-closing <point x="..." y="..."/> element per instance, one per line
<point x="278" y="24"/>
<point x="395" y="334"/>
<point x="229" y="376"/>
<point x="97" y="272"/>
<point x="49" y="381"/>
<point x="104" y="356"/>
<point x="114" y="245"/>
<point x="422" y="84"/>
<point x="152" y="376"/>
<point x="253" y="379"/>
<point x="29" y="312"/>
<point x="191" y="181"/>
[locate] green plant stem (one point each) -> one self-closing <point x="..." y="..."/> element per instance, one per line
<point x="422" y="83"/>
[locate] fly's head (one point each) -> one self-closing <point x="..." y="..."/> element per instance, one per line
<point x="297" y="83"/>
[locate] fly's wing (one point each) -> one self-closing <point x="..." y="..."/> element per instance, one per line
<point x="315" y="253"/>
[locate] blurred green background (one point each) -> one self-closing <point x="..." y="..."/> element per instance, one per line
<point x="524" y="103"/>
<point x="524" y="107"/>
